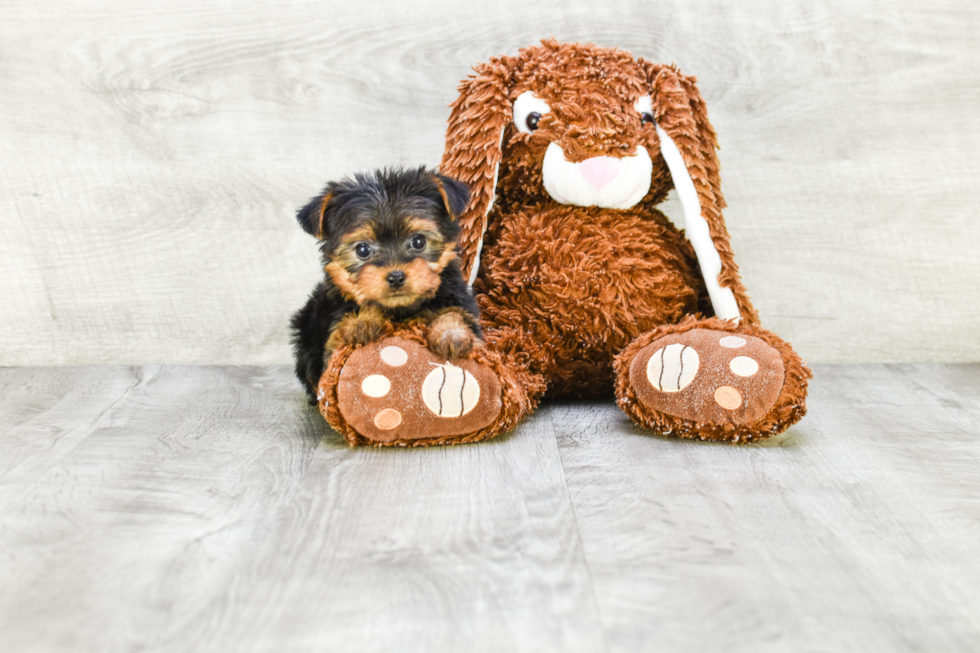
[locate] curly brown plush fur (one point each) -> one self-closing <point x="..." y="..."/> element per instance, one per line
<point x="564" y="288"/>
<point x="592" y="280"/>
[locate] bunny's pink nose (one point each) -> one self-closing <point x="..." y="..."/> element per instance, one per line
<point x="599" y="170"/>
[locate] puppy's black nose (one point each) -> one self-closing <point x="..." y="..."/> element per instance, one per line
<point x="396" y="278"/>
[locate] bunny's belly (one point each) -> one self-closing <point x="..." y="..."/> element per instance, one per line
<point x="575" y="286"/>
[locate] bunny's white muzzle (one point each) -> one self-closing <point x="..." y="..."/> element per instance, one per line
<point x="602" y="181"/>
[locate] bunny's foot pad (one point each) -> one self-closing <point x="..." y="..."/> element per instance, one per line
<point x="395" y="392"/>
<point x="713" y="384"/>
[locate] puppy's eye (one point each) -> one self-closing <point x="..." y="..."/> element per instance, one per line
<point x="644" y="106"/>
<point x="418" y="241"/>
<point x="363" y="250"/>
<point x="528" y="110"/>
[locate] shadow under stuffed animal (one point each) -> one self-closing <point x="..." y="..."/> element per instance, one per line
<point x="585" y="288"/>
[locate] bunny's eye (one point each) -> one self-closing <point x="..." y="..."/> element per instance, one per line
<point x="528" y="110"/>
<point x="644" y="106"/>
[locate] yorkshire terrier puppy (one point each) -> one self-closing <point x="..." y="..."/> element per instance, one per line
<point x="388" y="244"/>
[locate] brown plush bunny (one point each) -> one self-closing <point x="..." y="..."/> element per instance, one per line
<point x="585" y="288"/>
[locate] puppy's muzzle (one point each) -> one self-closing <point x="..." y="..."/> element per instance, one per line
<point x="396" y="279"/>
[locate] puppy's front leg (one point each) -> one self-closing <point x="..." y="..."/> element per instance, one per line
<point x="450" y="335"/>
<point x="367" y="325"/>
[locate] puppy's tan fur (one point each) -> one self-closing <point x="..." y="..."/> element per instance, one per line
<point x="450" y="334"/>
<point x="367" y="325"/>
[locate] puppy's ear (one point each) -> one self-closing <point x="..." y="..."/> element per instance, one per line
<point x="310" y="217"/>
<point x="455" y="194"/>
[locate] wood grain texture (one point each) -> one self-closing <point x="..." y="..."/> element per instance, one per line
<point x="211" y="509"/>
<point x="856" y="530"/>
<point x="154" y="158"/>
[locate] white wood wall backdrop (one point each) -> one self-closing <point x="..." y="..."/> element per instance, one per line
<point x="153" y="158"/>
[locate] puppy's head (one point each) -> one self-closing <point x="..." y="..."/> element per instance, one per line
<point x="386" y="237"/>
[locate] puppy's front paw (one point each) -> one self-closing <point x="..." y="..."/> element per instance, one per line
<point x="366" y="326"/>
<point x="450" y="336"/>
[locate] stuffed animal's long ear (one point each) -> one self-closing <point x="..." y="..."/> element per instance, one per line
<point x="310" y="217"/>
<point x="455" y="195"/>
<point x="473" y="151"/>
<point x="688" y="144"/>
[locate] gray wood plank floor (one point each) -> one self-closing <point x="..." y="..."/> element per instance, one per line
<point x="209" y="509"/>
